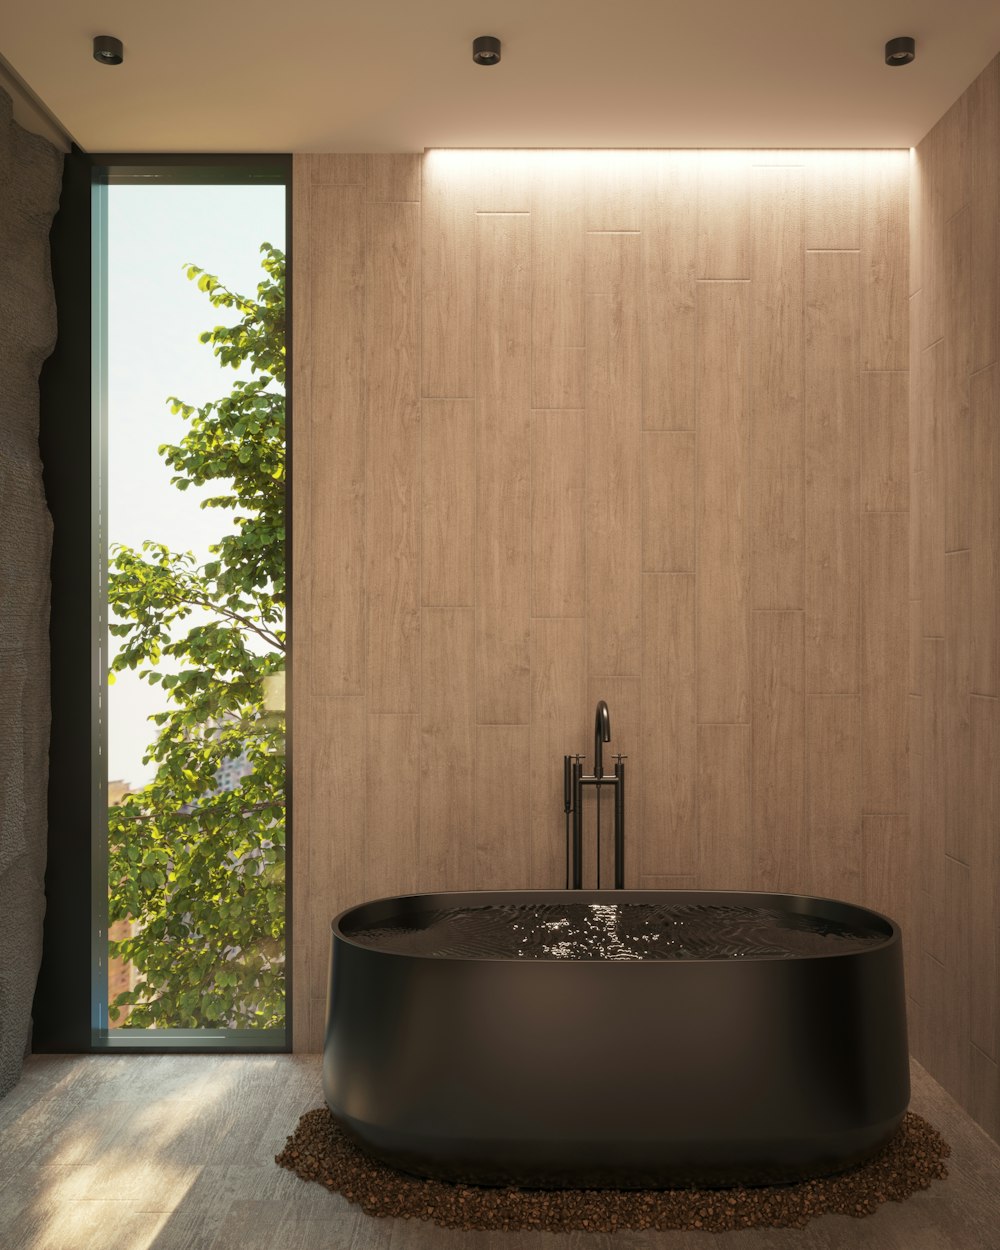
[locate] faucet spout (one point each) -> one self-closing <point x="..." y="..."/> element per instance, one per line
<point x="602" y="734"/>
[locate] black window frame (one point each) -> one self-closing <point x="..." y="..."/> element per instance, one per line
<point x="70" y="1005"/>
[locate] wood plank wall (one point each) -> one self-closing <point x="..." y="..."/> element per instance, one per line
<point x="609" y="425"/>
<point x="954" y="678"/>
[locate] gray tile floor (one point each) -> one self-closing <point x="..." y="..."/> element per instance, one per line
<point x="150" y="1152"/>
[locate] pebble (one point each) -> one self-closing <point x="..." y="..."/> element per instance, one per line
<point x="319" y="1151"/>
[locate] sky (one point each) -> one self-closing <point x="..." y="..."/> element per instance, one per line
<point x="154" y="318"/>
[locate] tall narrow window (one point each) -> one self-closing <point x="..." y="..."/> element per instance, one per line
<point x="192" y="595"/>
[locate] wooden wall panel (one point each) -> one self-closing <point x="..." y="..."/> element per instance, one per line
<point x="669" y="270"/>
<point x="832" y="860"/>
<point x="566" y="424"/>
<point x="393" y="177"/>
<point x="558" y="465"/>
<point x="448" y="493"/>
<point x="984" y="197"/>
<point x="503" y="468"/>
<point x="503" y="821"/>
<point x="832" y="402"/>
<point x="392" y="847"/>
<point x="557" y="312"/>
<point x="724" y="215"/>
<point x="335" y="431"/>
<point x="984" y="865"/>
<point x="392" y="460"/>
<point x="669" y="734"/>
<point x="559" y="726"/>
<point x="884" y="259"/>
<point x="886" y="868"/>
<point x="777" y="449"/>
<point x="778" y="767"/>
<point x="725" y="843"/>
<point x="447" y="749"/>
<point x="668" y="493"/>
<point x="885" y="450"/>
<point x="832" y="208"/>
<point x="985" y="525"/>
<point x="613" y="516"/>
<point x="721" y="507"/>
<point x="954" y="415"/>
<point x="448" y="257"/>
<point x="885" y="630"/>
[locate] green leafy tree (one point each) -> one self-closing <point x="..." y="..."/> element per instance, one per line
<point x="200" y="868"/>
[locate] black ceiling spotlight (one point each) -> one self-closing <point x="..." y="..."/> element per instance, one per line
<point x="900" y="51"/>
<point x="108" y="50"/>
<point x="486" y="50"/>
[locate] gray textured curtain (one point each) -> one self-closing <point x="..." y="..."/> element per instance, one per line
<point x="30" y="175"/>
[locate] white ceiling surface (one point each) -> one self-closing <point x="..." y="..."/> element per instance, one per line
<point x="397" y="75"/>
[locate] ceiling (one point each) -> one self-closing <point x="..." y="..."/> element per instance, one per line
<point x="397" y="75"/>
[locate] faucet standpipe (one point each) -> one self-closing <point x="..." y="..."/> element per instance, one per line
<point x="573" y="783"/>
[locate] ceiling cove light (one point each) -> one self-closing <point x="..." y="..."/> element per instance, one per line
<point x="486" y="50"/>
<point x="108" y="50"/>
<point x="900" y="51"/>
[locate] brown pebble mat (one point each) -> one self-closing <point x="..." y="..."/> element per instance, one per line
<point x="319" y="1151"/>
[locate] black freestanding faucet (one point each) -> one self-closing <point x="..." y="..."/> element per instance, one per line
<point x="573" y="783"/>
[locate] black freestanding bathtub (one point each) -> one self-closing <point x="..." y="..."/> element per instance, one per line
<point x="628" y="1038"/>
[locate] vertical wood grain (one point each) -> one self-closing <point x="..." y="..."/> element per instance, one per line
<point x="448" y="258"/>
<point x="984" y="523"/>
<point x="885" y="859"/>
<point x="392" y="488"/>
<point x="613" y="507"/>
<point x="334" y="821"/>
<point x="832" y="401"/>
<point x="669" y="733"/>
<point x="724" y="821"/>
<point x="502" y="179"/>
<point x="930" y="410"/>
<point x="984" y="203"/>
<point x="984" y="864"/>
<point x="447" y="749"/>
<point x="392" y="177"/>
<point x="885" y="451"/>
<point x="885" y="214"/>
<point x="721" y="506"/>
<point x="668" y="491"/>
<point x="558" y="472"/>
<point x="956" y="1069"/>
<point x="557" y="299"/>
<point x="776" y="290"/>
<point x="448" y="494"/>
<point x="559" y="726"/>
<point x="337" y="169"/>
<point x="724" y="215"/>
<point x="503" y="821"/>
<point x="933" y="778"/>
<point x="503" y="469"/>
<point x="832" y="204"/>
<point x="336" y="438"/>
<point x="669" y="225"/>
<point x="954" y="414"/>
<point x="613" y="188"/>
<point x="832" y="864"/>
<point x="778" y="769"/>
<point x="957" y="686"/>
<point x="884" y="664"/>
<point x="392" y="837"/>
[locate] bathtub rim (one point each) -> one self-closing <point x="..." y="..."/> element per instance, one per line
<point x="506" y="897"/>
